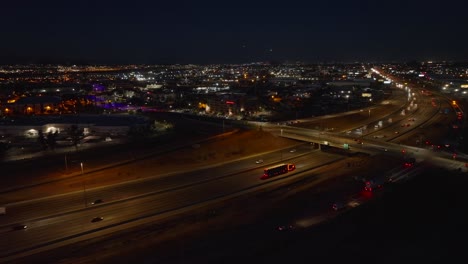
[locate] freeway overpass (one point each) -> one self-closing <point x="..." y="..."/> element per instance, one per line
<point x="62" y="219"/>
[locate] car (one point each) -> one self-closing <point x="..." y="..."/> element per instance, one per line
<point x="397" y="132"/>
<point x="354" y="203"/>
<point x="285" y="228"/>
<point x="408" y="164"/>
<point x="338" y="206"/>
<point x="359" y="178"/>
<point x="292" y="150"/>
<point x="259" y="161"/>
<point x="98" y="201"/>
<point x="97" y="219"/>
<point x="20" y="227"/>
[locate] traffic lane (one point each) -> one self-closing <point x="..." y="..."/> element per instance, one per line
<point x="299" y="211"/>
<point x="135" y="155"/>
<point x="341" y="122"/>
<point x="73" y="224"/>
<point x="131" y="209"/>
<point x="398" y="118"/>
<point x="84" y="198"/>
<point x="429" y="131"/>
<point x="317" y="207"/>
<point x="332" y="138"/>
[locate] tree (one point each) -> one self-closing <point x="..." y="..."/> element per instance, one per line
<point x="3" y="148"/>
<point x="42" y="141"/>
<point x="52" y="139"/>
<point x="76" y="134"/>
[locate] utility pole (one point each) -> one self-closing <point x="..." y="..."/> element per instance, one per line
<point x="84" y="185"/>
<point x="66" y="164"/>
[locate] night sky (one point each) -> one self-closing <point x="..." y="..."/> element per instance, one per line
<point x="202" y="32"/>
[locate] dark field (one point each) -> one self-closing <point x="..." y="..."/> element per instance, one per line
<point x="422" y="221"/>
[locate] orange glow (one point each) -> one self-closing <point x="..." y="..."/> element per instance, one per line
<point x="201" y="105"/>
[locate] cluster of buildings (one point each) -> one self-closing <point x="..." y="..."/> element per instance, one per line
<point x="450" y="78"/>
<point x="43" y="103"/>
<point x="106" y="101"/>
<point x="256" y="91"/>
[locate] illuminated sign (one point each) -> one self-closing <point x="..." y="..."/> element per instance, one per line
<point x="366" y="95"/>
<point x="464" y="86"/>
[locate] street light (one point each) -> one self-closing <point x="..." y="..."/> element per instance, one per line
<point x="66" y="164"/>
<point x="84" y="186"/>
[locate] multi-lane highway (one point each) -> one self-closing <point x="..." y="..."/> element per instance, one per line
<point x="66" y="218"/>
<point x="53" y="220"/>
<point x="389" y="132"/>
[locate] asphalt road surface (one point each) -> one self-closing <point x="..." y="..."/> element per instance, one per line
<point x="55" y="219"/>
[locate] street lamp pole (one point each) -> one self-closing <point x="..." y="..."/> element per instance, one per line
<point x="66" y="164"/>
<point x="84" y="185"/>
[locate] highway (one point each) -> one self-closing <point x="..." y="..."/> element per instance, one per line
<point x="58" y="220"/>
<point x="55" y="219"/>
<point x="389" y="132"/>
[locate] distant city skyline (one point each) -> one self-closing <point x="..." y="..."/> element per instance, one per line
<point x="207" y="32"/>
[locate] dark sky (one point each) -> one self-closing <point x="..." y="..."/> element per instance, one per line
<point x="238" y="31"/>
